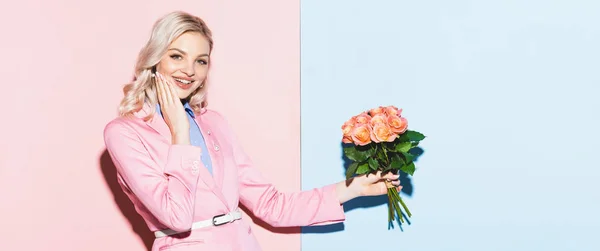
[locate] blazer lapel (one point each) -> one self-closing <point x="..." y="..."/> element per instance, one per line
<point x="213" y="149"/>
<point x="156" y="122"/>
<point x="215" y="157"/>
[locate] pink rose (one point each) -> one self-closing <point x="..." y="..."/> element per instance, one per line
<point x="347" y="130"/>
<point x="361" y="134"/>
<point x="397" y="124"/>
<point x="362" y="118"/>
<point x="378" y="119"/>
<point x="376" y="111"/>
<point x="381" y="132"/>
<point x="393" y="111"/>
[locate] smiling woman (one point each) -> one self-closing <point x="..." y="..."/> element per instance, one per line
<point x="183" y="60"/>
<point x="186" y="62"/>
<point x="181" y="165"/>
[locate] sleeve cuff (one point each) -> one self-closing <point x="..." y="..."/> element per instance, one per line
<point x="332" y="211"/>
<point x="184" y="163"/>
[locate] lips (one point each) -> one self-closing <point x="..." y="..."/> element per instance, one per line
<point x="183" y="83"/>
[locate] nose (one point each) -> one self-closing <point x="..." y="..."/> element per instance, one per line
<point x="189" y="69"/>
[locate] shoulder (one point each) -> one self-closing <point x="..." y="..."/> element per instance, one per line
<point x="214" y="117"/>
<point x="122" y="126"/>
<point x="217" y="121"/>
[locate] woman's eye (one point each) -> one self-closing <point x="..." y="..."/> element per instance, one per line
<point x="202" y="61"/>
<point x="177" y="57"/>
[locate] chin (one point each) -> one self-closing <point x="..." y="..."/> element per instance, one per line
<point x="183" y="95"/>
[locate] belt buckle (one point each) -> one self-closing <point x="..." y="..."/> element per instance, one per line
<point x="214" y="220"/>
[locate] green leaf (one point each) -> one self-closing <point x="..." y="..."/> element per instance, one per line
<point x="373" y="164"/>
<point x="414" y="135"/>
<point x="351" y="170"/>
<point x="389" y="145"/>
<point x="407" y="157"/>
<point x="363" y="168"/>
<point x="380" y="155"/>
<point x="403" y="138"/>
<point x="352" y="153"/>
<point x="397" y="162"/>
<point x="370" y="151"/>
<point x="414" y="144"/>
<point x="403" y="147"/>
<point x="409" y="169"/>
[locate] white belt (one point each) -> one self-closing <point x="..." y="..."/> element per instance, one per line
<point x="215" y="221"/>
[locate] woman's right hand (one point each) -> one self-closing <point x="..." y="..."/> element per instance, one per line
<point x="172" y="110"/>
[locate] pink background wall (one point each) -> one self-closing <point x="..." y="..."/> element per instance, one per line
<point x="63" y="65"/>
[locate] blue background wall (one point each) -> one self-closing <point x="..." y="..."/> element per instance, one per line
<point x="508" y="93"/>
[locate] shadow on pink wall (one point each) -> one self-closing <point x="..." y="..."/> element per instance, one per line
<point x="137" y="222"/>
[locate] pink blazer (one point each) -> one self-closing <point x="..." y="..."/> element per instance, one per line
<point x="171" y="189"/>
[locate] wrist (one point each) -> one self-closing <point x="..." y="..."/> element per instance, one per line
<point x="181" y="139"/>
<point x="344" y="193"/>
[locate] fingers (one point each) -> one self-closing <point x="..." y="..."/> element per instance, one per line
<point x="171" y="90"/>
<point x="167" y="88"/>
<point x="160" y="90"/>
<point x="372" y="178"/>
<point x="378" y="177"/>
<point x="390" y="176"/>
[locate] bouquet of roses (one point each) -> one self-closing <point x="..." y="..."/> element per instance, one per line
<point x="379" y="140"/>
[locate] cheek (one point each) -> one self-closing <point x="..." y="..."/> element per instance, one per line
<point x="166" y="66"/>
<point x="201" y="73"/>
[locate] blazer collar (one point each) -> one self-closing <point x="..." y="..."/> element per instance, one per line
<point x="156" y="121"/>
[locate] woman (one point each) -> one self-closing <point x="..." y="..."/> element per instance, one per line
<point x="181" y="165"/>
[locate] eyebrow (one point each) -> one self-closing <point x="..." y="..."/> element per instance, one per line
<point x="183" y="52"/>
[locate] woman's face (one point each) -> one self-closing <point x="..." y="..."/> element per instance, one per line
<point x="186" y="63"/>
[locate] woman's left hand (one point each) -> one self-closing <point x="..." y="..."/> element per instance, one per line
<point x="366" y="185"/>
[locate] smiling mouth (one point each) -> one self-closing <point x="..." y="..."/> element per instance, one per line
<point x="183" y="81"/>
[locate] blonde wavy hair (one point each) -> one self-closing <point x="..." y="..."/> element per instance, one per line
<point x="142" y="89"/>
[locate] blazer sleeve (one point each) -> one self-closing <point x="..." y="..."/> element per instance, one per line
<point x="168" y="191"/>
<point x="318" y="206"/>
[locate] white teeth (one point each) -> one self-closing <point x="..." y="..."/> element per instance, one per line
<point x="183" y="81"/>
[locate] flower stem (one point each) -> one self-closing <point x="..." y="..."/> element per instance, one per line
<point x="390" y="210"/>
<point x="387" y="160"/>
<point x="404" y="206"/>
<point x="396" y="206"/>
<point x="395" y="201"/>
